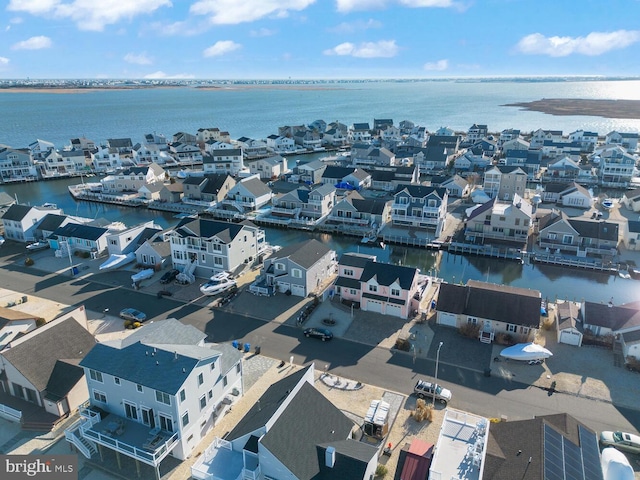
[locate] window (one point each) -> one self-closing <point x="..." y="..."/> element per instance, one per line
<point x="280" y="266"/>
<point x="552" y="236"/>
<point x="373" y="288"/>
<point x="116" y="380"/>
<point x="183" y="395"/>
<point x="210" y="394"/>
<point x="567" y="239"/>
<point x="166" y="422"/>
<point x="472" y="320"/>
<point x="97" y="376"/>
<point x="147" y="417"/>
<point x="203" y="402"/>
<point x="185" y="419"/>
<point x="162" y="397"/>
<point x="238" y="368"/>
<point x="224" y="381"/>
<point x="130" y="410"/>
<point x="139" y="387"/>
<point x="348" y="272"/>
<point x="512" y="328"/>
<point x="200" y="379"/>
<point x="213" y="365"/>
<point x="395" y="292"/>
<point x="524" y="330"/>
<point x="99" y="396"/>
<point x="296" y="273"/>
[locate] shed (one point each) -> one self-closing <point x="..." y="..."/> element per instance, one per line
<point x="375" y="421"/>
<point x="569" y="323"/>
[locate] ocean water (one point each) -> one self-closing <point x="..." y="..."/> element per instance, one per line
<point x="258" y="112"/>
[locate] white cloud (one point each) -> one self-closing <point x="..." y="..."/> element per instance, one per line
<point x="380" y="49"/>
<point x="89" y="14"/>
<point x="220" y="48"/>
<point x="138" y="59"/>
<point x="438" y="66"/>
<point x="33" y="43"/>
<point x="358" y="25"/>
<point x="161" y="75"/>
<point x="262" y="32"/>
<point x="230" y="12"/>
<point x="184" y="28"/>
<point x="595" y="43"/>
<point x="353" y="5"/>
<point x="4" y="61"/>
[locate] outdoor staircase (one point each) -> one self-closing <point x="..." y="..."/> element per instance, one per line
<point x="84" y="446"/>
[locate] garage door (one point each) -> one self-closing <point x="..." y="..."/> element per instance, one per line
<point x="394" y="310"/>
<point x="298" y="290"/>
<point x="570" y="337"/>
<point x="373" y="306"/>
<point x="283" y="287"/>
<point x="448" y="319"/>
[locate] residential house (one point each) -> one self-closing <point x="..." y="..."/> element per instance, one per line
<point x="70" y="238"/>
<point x="146" y="154"/>
<point x="378" y="287"/>
<point x="16" y="165"/>
<point x="252" y="148"/>
<point x="40" y="149"/>
<point x="20" y="222"/>
<point x="157" y="139"/>
<point x="627" y="140"/>
<point x="540" y="136"/>
<point x="249" y="194"/>
<point x="529" y="160"/>
<point x="124" y="146"/>
<point x="543" y="447"/>
<point x="151" y="192"/>
<point x="65" y="163"/>
<point x="281" y="144"/>
<point x="615" y="167"/>
<point x="505" y="182"/>
<point x="565" y="168"/>
<point x="391" y="135"/>
<point x="82" y="143"/>
<point x="183" y="137"/>
<point x="588" y="140"/>
<point x="15" y="324"/>
<point x="439" y="152"/>
<point x="305" y="206"/>
<point x="407" y="126"/>
<point x="568" y="321"/>
<point x="132" y="179"/>
<point x="41" y="367"/>
<point x="300" y="268"/>
<point x="309" y="173"/>
<point x="50" y="223"/>
<point x="157" y="392"/>
<point x="211" y="188"/>
<point x="516" y="143"/>
<point x="334" y="138"/>
<point x="318" y="126"/>
<point x="484" y="147"/>
<point x="619" y="321"/>
<point x="279" y="438"/>
<point x="154" y="252"/>
<point x="212" y="133"/>
<point x="470" y="162"/>
<point x="185" y="153"/>
<point x="444" y="131"/>
<point x="128" y="239"/>
<point x="631" y="236"/>
<point x="575" y="195"/>
<point x="346" y="177"/>
<point x="224" y="160"/>
<point x="308" y="139"/>
<point x="420" y="206"/>
<point x="558" y="232"/>
<point x="205" y="247"/>
<point x="492" y="221"/>
<point x="104" y="159"/>
<point x="495" y="309"/>
<point x="456" y="186"/>
<point x="631" y="200"/>
<point x="476" y="132"/>
<point x="171" y="193"/>
<point x="291" y="130"/>
<point x="389" y="178"/>
<point x="507" y="135"/>
<point x="372" y="156"/>
<point x="355" y="214"/>
<point x="359" y="133"/>
<point x="554" y="148"/>
<point x="269" y="168"/>
<point x="380" y="124"/>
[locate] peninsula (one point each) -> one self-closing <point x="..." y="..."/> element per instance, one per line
<point x="628" y="109"/>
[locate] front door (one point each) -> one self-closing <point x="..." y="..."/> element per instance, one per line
<point x="147" y="417"/>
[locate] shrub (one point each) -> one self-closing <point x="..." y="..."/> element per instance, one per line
<point x="127" y="323"/>
<point x="470" y="330"/>
<point x="136" y="324"/>
<point x="423" y="411"/>
<point x="381" y="470"/>
<point x="40" y="322"/>
<point x="504" y="339"/>
<point x="85" y="254"/>
<point x="547" y="323"/>
<point x="403" y="344"/>
<point x="28" y="261"/>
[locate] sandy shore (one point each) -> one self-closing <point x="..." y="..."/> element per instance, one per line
<point x="74" y="90"/>
<point x="628" y="109"/>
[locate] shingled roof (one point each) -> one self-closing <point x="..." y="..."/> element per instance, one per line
<point x="305" y="254"/>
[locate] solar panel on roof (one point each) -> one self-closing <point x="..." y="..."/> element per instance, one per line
<point x="563" y="460"/>
<point x="590" y="454"/>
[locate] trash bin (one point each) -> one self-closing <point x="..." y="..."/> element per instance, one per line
<point x="74" y="271"/>
<point x="247" y="347"/>
<point x="487" y="372"/>
<point x="257" y="350"/>
<point x="234" y="344"/>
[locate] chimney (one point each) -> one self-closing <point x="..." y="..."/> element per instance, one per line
<point x="330" y="457"/>
<point x="175" y="355"/>
<point x="157" y="362"/>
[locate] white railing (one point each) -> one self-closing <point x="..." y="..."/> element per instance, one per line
<point x="10" y="413"/>
<point x="251" y="474"/>
<point x="70" y="435"/>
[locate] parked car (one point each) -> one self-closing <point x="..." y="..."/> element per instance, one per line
<point x="424" y="389"/>
<point x="169" y="276"/>
<point x="133" y="315"/>
<point x="627" y="442"/>
<point x="321" y="333"/>
<point x="41" y="245"/>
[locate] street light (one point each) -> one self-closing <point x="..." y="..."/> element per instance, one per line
<point x="435" y="383"/>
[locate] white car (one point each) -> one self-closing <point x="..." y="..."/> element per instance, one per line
<point x="220" y="282"/>
<point x="627" y="442"/>
<point x="41" y="245"/>
<point x="430" y="390"/>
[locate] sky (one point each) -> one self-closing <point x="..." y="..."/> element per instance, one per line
<point x="317" y="39"/>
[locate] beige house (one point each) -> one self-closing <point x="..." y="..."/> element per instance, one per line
<point x="558" y="232"/>
<point x="631" y="200"/>
<point x="502" y="221"/>
<point x="504" y="182"/>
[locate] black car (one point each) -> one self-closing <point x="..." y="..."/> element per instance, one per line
<point x="321" y="333"/>
<point x="169" y="276"/>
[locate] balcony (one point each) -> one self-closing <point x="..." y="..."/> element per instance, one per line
<point x="125" y="436"/>
<point x="349" y="220"/>
<point x="220" y="462"/>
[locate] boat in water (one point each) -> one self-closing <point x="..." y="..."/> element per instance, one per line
<point x="526" y="352"/>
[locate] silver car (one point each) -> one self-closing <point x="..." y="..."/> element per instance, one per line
<point x="133" y="315"/>
<point x="627" y="442"/>
<point x="430" y="390"/>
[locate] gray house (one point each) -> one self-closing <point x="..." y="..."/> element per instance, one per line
<point x="420" y="206"/>
<point x="300" y="268"/>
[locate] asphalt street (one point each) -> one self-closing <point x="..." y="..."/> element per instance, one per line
<point x="393" y="370"/>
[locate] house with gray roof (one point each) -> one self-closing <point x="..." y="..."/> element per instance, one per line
<point x="223" y="160"/>
<point x="269" y="168"/>
<point x="354" y="214"/>
<point x="495" y="309"/>
<point x="621" y="321"/>
<point x="16" y="164"/>
<point x="21" y="222"/>
<point x="631" y="235"/>
<point x="420" y="206"/>
<point x="49" y="224"/>
<point x="631" y="200"/>
<point x="41" y="367"/>
<point x="154" y="393"/>
<point x="212" y="188"/>
<point x="558" y="232"/>
<point x="279" y="438"/>
<point x="378" y="287"/>
<point x="370" y="156"/>
<point x="359" y="133"/>
<point x="309" y="173"/>
<point x="568" y="323"/>
<point x="502" y="222"/>
<point x="304" y="207"/>
<point x="123" y="145"/>
<point x="154" y="252"/>
<point x="300" y="268"/>
<point x="249" y="194"/>
<point x="340" y="177"/>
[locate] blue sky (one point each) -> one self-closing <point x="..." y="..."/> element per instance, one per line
<point x="302" y="39"/>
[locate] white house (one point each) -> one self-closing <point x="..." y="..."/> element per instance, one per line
<point x="269" y="168"/>
<point x="20" y="222"/>
<point x="223" y="160"/>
